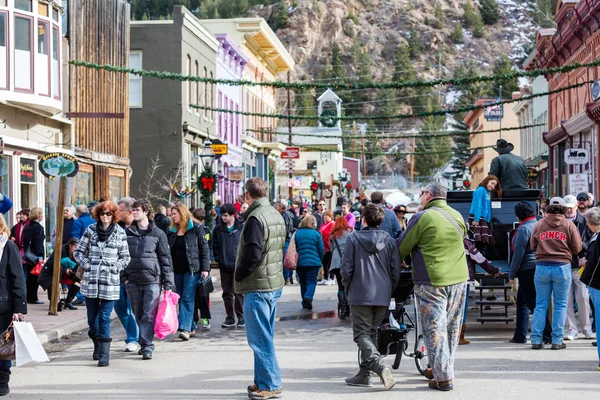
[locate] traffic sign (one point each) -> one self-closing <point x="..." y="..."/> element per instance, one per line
<point x="290" y="153"/>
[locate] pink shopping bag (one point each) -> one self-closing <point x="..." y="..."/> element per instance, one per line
<point x="166" y="322"/>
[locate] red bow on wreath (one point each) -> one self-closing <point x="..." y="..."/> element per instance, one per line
<point x="207" y="184"/>
<point x="348" y="186"/>
<point x="314" y="186"/>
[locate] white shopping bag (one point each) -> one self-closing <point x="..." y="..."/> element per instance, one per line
<point x="28" y="348"/>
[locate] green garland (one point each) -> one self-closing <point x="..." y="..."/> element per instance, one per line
<point x="397" y="116"/>
<point x="396" y="154"/>
<point x="207" y="189"/>
<point x="340" y="84"/>
<point x="401" y="136"/>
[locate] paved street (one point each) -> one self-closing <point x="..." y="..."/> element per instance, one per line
<point x="315" y="355"/>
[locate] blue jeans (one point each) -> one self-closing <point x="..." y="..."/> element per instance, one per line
<point x="5" y="364"/>
<point x="287" y="274"/>
<point x="186" y="285"/>
<point x="464" y="321"/>
<point x="260" y="309"/>
<point x="98" y="314"/>
<point x="550" y="280"/>
<point x="595" y="296"/>
<point x="307" y="276"/>
<point x="125" y="314"/>
<point x="144" y="302"/>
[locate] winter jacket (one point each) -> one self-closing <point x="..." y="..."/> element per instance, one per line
<point x="351" y="220"/>
<point x="5" y="204"/>
<point x="555" y="239"/>
<point x="13" y="294"/>
<point x="523" y="257"/>
<point x="33" y="238"/>
<point x="150" y="257"/>
<point x="437" y="249"/>
<point x="45" y="278"/>
<point x="390" y="223"/>
<point x="475" y="258"/>
<point x="310" y="248"/>
<point x="288" y="218"/>
<point x="17" y="232"/>
<point x="325" y="232"/>
<point x="225" y="244"/>
<point x="81" y="224"/>
<point x="162" y="222"/>
<point x="511" y="170"/>
<point x="586" y="234"/>
<point x="337" y="250"/>
<point x="591" y="273"/>
<point x="319" y="219"/>
<point x="481" y="205"/>
<point x="259" y="260"/>
<point x="370" y="267"/>
<point x="102" y="263"/>
<point x="67" y="232"/>
<point x="196" y="244"/>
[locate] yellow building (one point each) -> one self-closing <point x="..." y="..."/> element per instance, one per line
<point x="481" y="159"/>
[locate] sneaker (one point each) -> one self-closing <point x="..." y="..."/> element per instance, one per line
<point x="322" y="282"/>
<point x="241" y="323"/>
<point x="385" y="375"/>
<point x="513" y="340"/>
<point x="537" y="346"/>
<point x="193" y="333"/>
<point x="146" y="355"/>
<point x="569" y="337"/>
<point x="205" y="323"/>
<point x="308" y="303"/>
<point x="595" y="344"/>
<point x="229" y="323"/>
<point x="252" y="388"/>
<point x="266" y="394"/>
<point x="559" y="346"/>
<point x="184" y="335"/>
<point x="70" y="306"/>
<point x="132" y="347"/>
<point x="590" y="336"/>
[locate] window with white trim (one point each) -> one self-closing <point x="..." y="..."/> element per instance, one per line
<point x="23" y="60"/>
<point x="135" y="81"/>
<point x="24" y="5"/>
<point x="4" y="70"/>
<point x="212" y="97"/>
<point x="226" y="121"/>
<point x="42" y="58"/>
<point x="56" y="62"/>
<point x="220" y="114"/>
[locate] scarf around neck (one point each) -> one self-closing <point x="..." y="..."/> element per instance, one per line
<point x="104" y="234"/>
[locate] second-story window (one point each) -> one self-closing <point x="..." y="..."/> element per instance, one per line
<point x="226" y="122"/>
<point x="3" y="51"/>
<point x="231" y="119"/>
<point x="23" y="53"/>
<point x="43" y="9"/>
<point x="197" y="96"/>
<point x="42" y="65"/>
<point x="24" y="5"/>
<point x="189" y="83"/>
<point x="220" y="114"/>
<point x="212" y="97"/>
<point x="56" y="62"/>
<point x="237" y="125"/>
<point x="135" y="81"/>
<point x="205" y="97"/>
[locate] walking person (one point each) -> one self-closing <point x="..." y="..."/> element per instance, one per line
<point x="259" y="277"/>
<point x="310" y="249"/>
<point x="123" y="305"/>
<point x="102" y="253"/>
<point x="554" y="240"/>
<point x="390" y="223"/>
<point x="523" y="266"/>
<point x="17" y="231"/>
<point x="480" y="213"/>
<point x="401" y="216"/>
<point x="591" y="264"/>
<point x="325" y="232"/>
<point x="191" y="262"/>
<point x="33" y="241"/>
<point x="339" y="234"/>
<point x="226" y="238"/>
<point x="348" y="215"/>
<point x="434" y="238"/>
<point x="202" y="303"/>
<point x="12" y="292"/>
<point x="69" y="220"/>
<point x="370" y="271"/>
<point x="288" y="217"/>
<point x="149" y="271"/>
<point x="161" y="220"/>
<point x="82" y="222"/>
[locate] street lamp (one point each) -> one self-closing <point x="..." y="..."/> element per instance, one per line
<point x="343" y="176"/>
<point x="207" y="156"/>
<point x="315" y="174"/>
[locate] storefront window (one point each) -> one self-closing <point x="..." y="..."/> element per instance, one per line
<point x="116" y="188"/>
<point x="24" y="5"/>
<point x="5" y="182"/>
<point x="82" y="193"/>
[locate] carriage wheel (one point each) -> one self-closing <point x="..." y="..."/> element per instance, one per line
<point x="421" y="358"/>
<point x="399" y="352"/>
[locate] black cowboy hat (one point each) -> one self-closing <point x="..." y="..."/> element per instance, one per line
<point x="503" y="147"/>
<point x="400" y="208"/>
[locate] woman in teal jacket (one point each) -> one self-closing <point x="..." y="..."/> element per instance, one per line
<point x="480" y="213"/>
<point x="310" y="249"/>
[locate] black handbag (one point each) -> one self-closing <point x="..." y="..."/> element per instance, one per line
<point x="205" y="287"/>
<point x="30" y="257"/>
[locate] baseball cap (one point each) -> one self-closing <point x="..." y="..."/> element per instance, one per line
<point x="583" y="196"/>
<point x="570" y="201"/>
<point x="558" y="201"/>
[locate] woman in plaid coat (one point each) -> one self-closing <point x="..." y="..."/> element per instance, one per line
<point x="102" y="253"/>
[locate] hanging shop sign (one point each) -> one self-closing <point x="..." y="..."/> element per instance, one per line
<point x="576" y="156"/>
<point x="58" y="164"/>
<point x="27" y="170"/>
<point x="235" y="174"/>
<point x="493" y="112"/>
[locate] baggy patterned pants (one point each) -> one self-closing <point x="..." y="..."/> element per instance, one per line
<point x="441" y="312"/>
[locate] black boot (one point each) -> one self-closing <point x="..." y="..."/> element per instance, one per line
<point x="4" y="378"/>
<point x="103" y="351"/>
<point x="96" y="355"/>
<point x="362" y="378"/>
<point x="341" y="305"/>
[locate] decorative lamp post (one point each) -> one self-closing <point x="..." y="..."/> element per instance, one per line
<point x="207" y="181"/>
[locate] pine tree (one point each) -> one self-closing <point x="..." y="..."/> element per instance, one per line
<point x="469" y="17"/>
<point x="414" y="43"/>
<point x="280" y="19"/>
<point x="431" y="149"/>
<point x="209" y="9"/>
<point x="386" y="104"/>
<point x="304" y="103"/>
<point x="404" y="69"/>
<point x="439" y="13"/>
<point x="490" y="12"/>
<point x="337" y="64"/>
<point x="544" y="13"/>
<point x="503" y="67"/>
<point x="462" y="145"/>
<point x="457" y="33"/>
<point x="478" y="29"/>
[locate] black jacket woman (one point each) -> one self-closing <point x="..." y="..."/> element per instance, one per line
<point x="33" y="240"/>
<point x="191" y="260"/>
<point x="591" y="272"/>
<point x="12" y="293"/>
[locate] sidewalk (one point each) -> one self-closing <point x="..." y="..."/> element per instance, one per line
<point x="52" y="327"/>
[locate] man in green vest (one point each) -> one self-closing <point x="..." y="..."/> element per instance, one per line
<point x="259" y="277"/>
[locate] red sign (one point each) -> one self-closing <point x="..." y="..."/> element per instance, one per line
<point x="290" y="153"/>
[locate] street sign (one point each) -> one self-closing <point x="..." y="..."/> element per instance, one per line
<point x="220" y="149"/>
<point x="493" y="112"/>
<point x="576" y="156"/>
<point x="578" y="183"/>
<point x="290" y="153"/>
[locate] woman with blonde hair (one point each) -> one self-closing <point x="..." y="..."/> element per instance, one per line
<point x="33" y="242"/>
<point x="310" y="249"/>
<point x="191" y="260"/>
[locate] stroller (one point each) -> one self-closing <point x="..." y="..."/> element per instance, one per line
<point x="392" y="338"/>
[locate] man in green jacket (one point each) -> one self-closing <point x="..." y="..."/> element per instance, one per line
<point x="434" y="238"/>
<point x="259" y="277"/>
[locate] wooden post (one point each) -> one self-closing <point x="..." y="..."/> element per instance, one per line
<point x="412" y="165"/>
<point x="60" y="223"/>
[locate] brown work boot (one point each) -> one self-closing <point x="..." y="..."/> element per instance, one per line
<point x="428" y="373"/>
<point x="444" y="386"/>
<point x="462" y="339"/>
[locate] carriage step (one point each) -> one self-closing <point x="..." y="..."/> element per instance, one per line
<point x="494" y="319"/>
<point x="493" y="287"/>
<point x="494" y="303"/>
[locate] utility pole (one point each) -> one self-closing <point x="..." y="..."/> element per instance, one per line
<point x="440" y="77"/>
<point x="502" y="108"/>
<point x="289" y="112"/>
<point x="354" y="138"/>
<point x="412" y="165"/>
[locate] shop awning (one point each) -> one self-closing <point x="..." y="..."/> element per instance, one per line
<point x="555" y="136"/>
<point x="578" y="123"/>
<point x="593" y="111"/>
